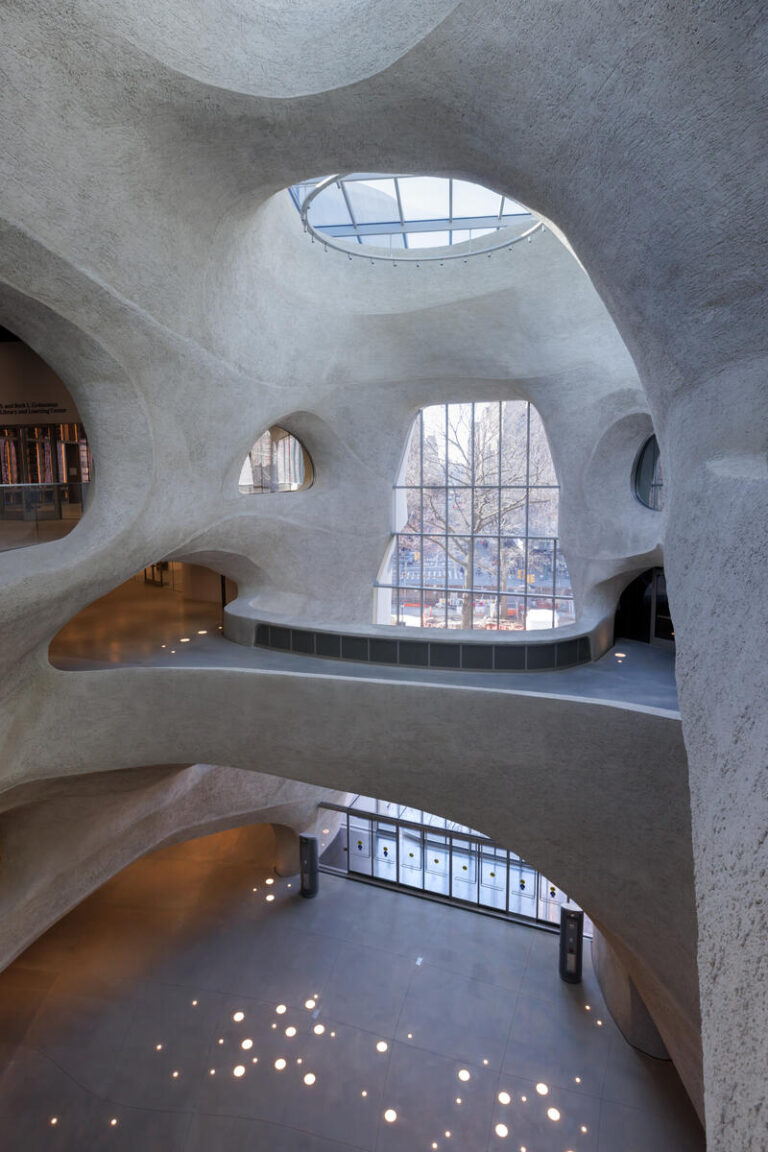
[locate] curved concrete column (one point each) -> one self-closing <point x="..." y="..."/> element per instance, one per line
<point x="625" y="1003"/>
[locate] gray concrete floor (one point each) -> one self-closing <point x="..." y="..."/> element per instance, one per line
<point x="143" y="625"/>
<point x="129" y="1022"/>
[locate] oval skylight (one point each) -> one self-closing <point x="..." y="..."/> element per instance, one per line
<point x="407" y="217"/>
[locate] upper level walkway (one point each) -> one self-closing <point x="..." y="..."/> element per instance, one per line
<point x="140" y="625"/>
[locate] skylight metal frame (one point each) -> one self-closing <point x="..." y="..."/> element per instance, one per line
<point x="355" y="231"/>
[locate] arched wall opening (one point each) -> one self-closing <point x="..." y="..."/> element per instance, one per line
<point x="45" y="461"/>
<point x="167" y="607"/>
<point x="643" y="611"/>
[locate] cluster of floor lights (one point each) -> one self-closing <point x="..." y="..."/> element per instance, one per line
<point x="389" y="1114"/>
<point x="188" y="639"/>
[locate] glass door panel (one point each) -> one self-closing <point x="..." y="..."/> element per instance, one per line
<point x="493" y="878"/>
<point x="436" y="863"/>
<point x="360" y="856"/>
<point x="550" y="899"/>
<point x="522" y="889"/>
<point x="464" y="870"/>
<point x="385" y="851"/>
<point x="411" y="857"/>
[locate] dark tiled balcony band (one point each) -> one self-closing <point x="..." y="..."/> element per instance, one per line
<point x="509" y="657"/>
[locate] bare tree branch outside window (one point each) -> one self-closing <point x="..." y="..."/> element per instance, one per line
<point x="479" y="543"/>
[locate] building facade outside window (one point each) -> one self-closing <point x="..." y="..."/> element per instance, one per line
<point x="277" y="462"/>
<point x="476" y="511"/>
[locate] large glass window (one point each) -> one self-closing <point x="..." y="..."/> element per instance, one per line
<point x="649" y="479"/>
<point x="427" y="854"/>
<point x="476" y="510"/>
<point x="277" y="462"/>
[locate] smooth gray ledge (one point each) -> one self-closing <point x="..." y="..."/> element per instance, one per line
<point x="642" y="675"/>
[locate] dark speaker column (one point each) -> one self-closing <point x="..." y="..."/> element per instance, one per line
<point x="571" y="944"/>
<point x="310" y="872"/>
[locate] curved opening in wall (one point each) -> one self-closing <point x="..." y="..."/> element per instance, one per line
<point x="277" y="462"/>
<point x="170" y="611"/>
<point x="45" y="462"/>
<point x="475" y="525"/>
<point x="648" y="476"/>
<point x="643" y="611"/>
<point x="429" y="855"/>
<point x="406" y="218"/>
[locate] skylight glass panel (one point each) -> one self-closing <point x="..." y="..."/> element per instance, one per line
<point x="428" y="239"/>
<point x="513" y="208"/>
<point x="424" y="197"/>
<point x="474" y="200"/>
<point x="373" y="201"/>
<point x="329" y="208"/>
<point x="387" y="240"/>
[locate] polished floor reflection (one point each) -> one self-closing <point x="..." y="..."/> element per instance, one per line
<point x="198" y="1004"/>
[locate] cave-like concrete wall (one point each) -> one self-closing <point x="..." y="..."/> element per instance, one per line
<point x="142" y="254"/>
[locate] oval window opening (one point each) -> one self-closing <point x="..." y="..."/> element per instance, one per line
<point x="649" y="478"/>
<point x="277" y="462"/>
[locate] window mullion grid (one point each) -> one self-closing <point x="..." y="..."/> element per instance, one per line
<point x="472" y="520"/>
<point x="421" y="512"/>
<point x="445" y="578"/>
<point x="554" y="574"/>
<point x="400" y="213"/>
<point x="498" y="517"/>
<point x="500" y="425"/>
<point x="348" y="203"/>
<point x="527" y="504"/>
<point x="450" y="219"/>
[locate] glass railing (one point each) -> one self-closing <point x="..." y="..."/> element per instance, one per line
<point x="430" y="856"/>
<point x="36" y="513"/>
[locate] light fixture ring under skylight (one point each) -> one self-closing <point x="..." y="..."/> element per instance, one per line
<point x="436" y="214"/>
